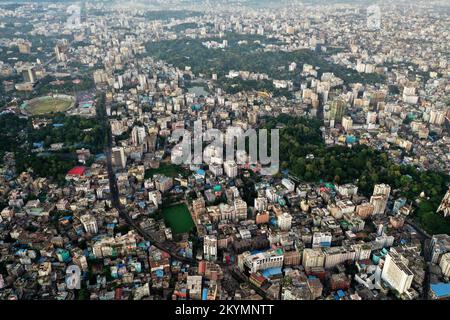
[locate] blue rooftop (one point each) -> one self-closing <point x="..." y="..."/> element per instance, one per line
<point x="271" y="272"/>
<point x="205" y="294"/>
<point x="441" y="290"/>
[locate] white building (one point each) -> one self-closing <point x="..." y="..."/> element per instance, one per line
<point x="284" y="221"/>
<point x="89" y="223"/>
<point x="264" y="260"/>
<point x="119" y="158"/>
<point x="210" y="248"/>
<point x="260" y="204"/>
<point x="230" y="169"/>
<point x="396" y="272"/>
<point x="321" y="239"/>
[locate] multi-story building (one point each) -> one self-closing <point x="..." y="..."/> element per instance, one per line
<point x="240" y="209"/>
<point x="396" y="272"/>
<point x="260" y="204"/>
<point x="444" y="207"/>
<point x="210" y="248"/>
<point x="313" y="258"/>
<point x="138" y="135"/>
<point x="379" y="203"/>
<point x="321" y="239"/>
<point x="262" y="217"/>
<point x="230" y="169"/>
<point x="264" y="260"/>
<point x="337" y="255"/>
<point x="119" y="158"/>
<point x="89" y="223"/>
<point x="284" y="221"/>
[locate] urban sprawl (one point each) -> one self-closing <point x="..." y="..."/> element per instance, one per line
<point x="93" y="207"/>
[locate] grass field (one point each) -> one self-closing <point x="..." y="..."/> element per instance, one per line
<point x="178" y="218"/>
<point x="48" y="105"/>
<point x="167" y="169"/>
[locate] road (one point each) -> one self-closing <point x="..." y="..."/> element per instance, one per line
<point x="117" y="205"/>
<point x="114" y="190"/>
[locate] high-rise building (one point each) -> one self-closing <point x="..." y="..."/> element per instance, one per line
<point x="119" y="158"/>
<point x="338" y="108"/>
<point x="29" y="75"/>
<point x="382" y="189"/>
<point x="378" y="203"/>
<point x="260" y="204"/>
<point x="24" y="47"/>
<point x="396" y="272"/>
<point x="444" y="207"/>
<point x="347" y="123"/>
<point x="313" y="258"/>
<point x="89" y="223"/>
<point x="138" y="135"/>
<point x="284" y="221"/>
<point x="380" y="197"/>
<point x="240" y="209"/>
<point x="445" y="264"/>
<point x="230" y="168"/>
<point x="439" y="245"/>
<point x="210" y="248"/>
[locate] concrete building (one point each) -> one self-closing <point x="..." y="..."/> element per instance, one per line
<point x="230" y="169"/>
<point x="89" y="223"/>
<point x="396" y="272"/>
<point x="119" y="159"/>
<point x="210" y="248"/>
<point x="445" y="264"/>
<point x="313" y="258"/>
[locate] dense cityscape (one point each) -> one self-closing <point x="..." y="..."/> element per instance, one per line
<point x="94" y="205"/>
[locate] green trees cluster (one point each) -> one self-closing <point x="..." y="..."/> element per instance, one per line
<point x="249" y="57"/>
<point x="12" y="133"/>
<point x="74" y="132"/>
<point x="18" y="135"/>
<point x="362" y="165"/>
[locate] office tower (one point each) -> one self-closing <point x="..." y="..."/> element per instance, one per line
<point x="396" y="272"/>
<point x="210" y="248"/>
<point x="119" y="158"/>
